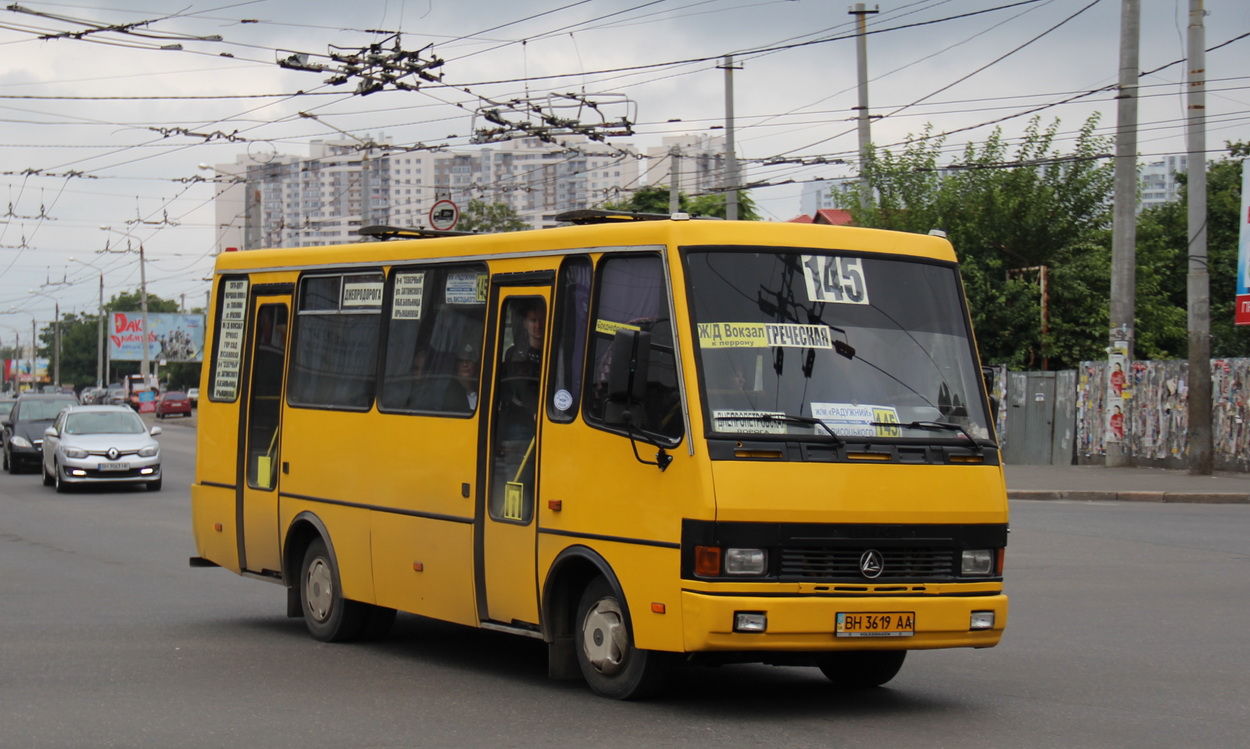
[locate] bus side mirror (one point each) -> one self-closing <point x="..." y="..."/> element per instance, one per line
<point x="987" y="374"/>
<point x="628" y="361"/>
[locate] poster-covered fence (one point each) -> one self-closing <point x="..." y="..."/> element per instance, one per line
<point x="1157" y="418"/>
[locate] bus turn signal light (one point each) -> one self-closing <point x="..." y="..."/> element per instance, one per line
<point x="707" y="561"/>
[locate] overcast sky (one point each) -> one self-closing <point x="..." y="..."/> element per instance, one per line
<point x="104" y="121"/>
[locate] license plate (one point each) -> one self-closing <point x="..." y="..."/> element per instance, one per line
<point x="114" y="466"/>
<point x="876" y="624"/>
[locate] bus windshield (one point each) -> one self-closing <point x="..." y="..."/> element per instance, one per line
<point x="833" y="346"/>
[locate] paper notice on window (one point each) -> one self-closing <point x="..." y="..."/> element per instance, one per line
<point x="362" y="294"/>
<point x="763" y="335"/>
<point x="747" y="422"/>
<point x="231" y="325"/>
<point x="835" y="280"/>
<point x="409" y="293"/>
<point x="466" y="287"/>
<point x="856" y="419"/>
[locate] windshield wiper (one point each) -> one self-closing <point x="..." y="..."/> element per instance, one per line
<point x="934" y="426"/>
<point x="788" y="419"/>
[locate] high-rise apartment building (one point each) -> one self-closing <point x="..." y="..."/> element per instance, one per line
<point x="1158" y="180"/>
<point x="289" y="201"/>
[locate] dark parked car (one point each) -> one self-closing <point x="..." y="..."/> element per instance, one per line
<point x="24" y="427"/>
<point x="173" y="403"/>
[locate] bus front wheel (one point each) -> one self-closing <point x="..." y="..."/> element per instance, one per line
<point x="610" y="663"/>
<point x="862" y="668"/>
<point x="330" y="617"/>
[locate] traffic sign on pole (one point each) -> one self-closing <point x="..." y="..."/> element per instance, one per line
<point x="444" y="215"/>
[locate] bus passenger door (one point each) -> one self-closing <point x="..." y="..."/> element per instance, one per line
<point x="258" y="526"/>
<point x="508" y="591"/>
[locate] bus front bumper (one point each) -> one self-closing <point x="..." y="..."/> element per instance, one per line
<point x="825" y="623"/>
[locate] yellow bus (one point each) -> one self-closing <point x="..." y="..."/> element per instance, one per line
<point x="645" y="440"/>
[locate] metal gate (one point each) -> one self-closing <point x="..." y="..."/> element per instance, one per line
<point x="1041" y="418"/>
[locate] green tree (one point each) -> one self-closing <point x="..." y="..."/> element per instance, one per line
<point x="1162" y="238"/>
<point x="651" y="199"/>
<point x="655" y="199"/>
<point x="713" y="204"/>
<point x="481" y="216"/>
<point x="1009" y="212"/>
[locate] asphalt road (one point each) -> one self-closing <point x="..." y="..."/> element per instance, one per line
<point x="1126" y="629"/>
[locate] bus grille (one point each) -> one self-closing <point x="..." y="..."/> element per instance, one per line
<point x="843" y="563"/>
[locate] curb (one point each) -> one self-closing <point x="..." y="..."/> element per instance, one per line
<point x="1166" y="497"/>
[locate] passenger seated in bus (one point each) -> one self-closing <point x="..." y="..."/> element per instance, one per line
<point x="460" y="395"/>
<point x="522" y="365"/>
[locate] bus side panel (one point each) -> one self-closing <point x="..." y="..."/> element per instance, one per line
<point x="212" y="519"/>
<point x="604" y="490"/>
<point x="424" y="566"/>
<point x="381" y="463"/>
<point x="426" y="465"/>
<point x="349" y="539"/>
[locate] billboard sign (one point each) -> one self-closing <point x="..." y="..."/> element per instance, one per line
<point x="171" y="337"/>
<point x="19" y="370"/>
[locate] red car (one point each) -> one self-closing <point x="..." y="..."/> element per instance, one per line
<point x="173" y="403"/>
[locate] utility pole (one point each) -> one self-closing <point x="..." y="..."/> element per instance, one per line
<point x="1201" y="447"/>
<point x="366" y="189"/>
<point x="731" y="157"/>
<point x="143" y="306"/>
<point x="251" y="207"/>
<point x="861" y="12"/>
<point x="34" y="343"/>
<point x="674" y="179"/>
<point x="56" y="349"/>
<point x="1123" y="244"/>
<point x="99" y="325"/>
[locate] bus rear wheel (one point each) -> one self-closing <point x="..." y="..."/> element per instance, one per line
<point x="862" y="668"/>
<point x="610" y="663"/>
<point x="329" y="616"/>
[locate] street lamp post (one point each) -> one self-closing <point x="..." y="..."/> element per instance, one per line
<point x="56" y="338"/>
<point x="99" y="362"/>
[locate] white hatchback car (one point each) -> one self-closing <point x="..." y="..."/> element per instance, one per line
<point x="100" y="445"/>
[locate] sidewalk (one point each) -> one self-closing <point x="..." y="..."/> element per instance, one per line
<point x="1096" y="483"/>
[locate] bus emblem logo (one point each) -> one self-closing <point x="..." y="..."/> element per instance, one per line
<point x="871" y="564"/>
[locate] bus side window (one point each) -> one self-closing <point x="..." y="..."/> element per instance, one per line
<point x="434" y="338"/>
<point x="334" y="354"/>
<point x="632" y="295"/>
<point x="568" y="344"/>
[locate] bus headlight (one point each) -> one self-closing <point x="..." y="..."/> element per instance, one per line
<point x="750" y="621"/>
<point x="746" y="561"/>
<point x="977" y="562"/>
<point x="981" y="620"/>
